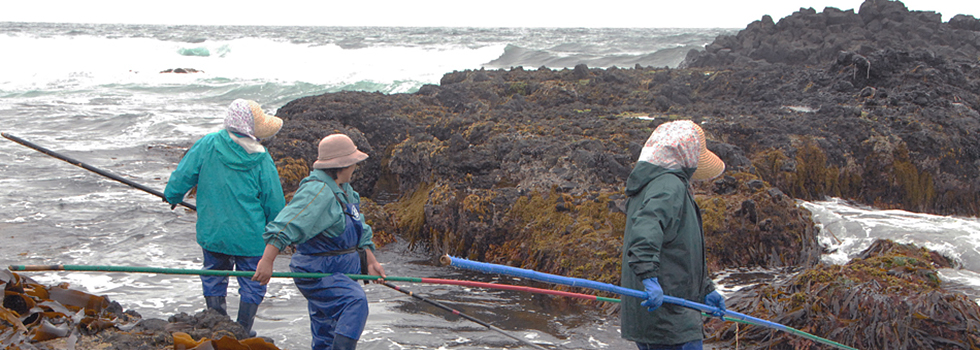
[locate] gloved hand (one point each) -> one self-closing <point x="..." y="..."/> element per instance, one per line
<point x="716" y="300"/>
<point x="655" y="294"/>
<point x="172" y="206"/>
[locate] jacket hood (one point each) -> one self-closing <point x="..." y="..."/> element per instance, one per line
<point x="644" y="172"/>
<point x="233" y="155"/>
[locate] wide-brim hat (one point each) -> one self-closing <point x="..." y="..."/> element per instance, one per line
<point x="337" y="151"/>
<point x="709" y="165"/>
<point x="265" y="125"/>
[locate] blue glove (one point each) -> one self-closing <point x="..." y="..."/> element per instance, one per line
<point x="716" y="300"/>
<point x="655" y="294"/>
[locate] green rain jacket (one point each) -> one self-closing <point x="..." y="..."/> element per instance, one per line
<point x="238" y="193"/>
<point x="663" y="239"/>
<point x="314" y="210"/>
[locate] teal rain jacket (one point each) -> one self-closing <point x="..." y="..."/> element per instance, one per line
<point x="663" y="239"/>
<point x="238" y="193"/>
<point x="314" y="210"/>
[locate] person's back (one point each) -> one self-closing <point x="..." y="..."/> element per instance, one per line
<point x="238" y="193"/>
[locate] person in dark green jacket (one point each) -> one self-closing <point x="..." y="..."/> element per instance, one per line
<point x="238" y="193"/>
<point x="663" y="245"/>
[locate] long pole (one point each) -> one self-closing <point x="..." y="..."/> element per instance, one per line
<point x="230" y="273"/>
<point x="91" y="168"/>
<point x="468" y="317"/>
<point x="606" y="287"/>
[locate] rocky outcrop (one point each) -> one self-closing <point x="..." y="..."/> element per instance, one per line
<point x="889" y="297"/>
<point x="811" y="38"/>
<point x="526" y="167"/>
<point x="887" y="98"/>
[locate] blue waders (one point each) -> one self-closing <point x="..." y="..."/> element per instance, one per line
<point x="337" y="304"/>
<point x="216" y="287"/>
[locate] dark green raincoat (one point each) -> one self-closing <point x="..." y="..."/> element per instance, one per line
<point x="663" y="239"/>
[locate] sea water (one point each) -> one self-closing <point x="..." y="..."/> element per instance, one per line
<point x="95" y="93"/>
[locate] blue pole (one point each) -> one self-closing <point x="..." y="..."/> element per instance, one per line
<point x="606" y="287"/>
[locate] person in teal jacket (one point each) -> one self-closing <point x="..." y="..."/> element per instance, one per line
<point x="323" y="219"/>
<point x="238" y="193"/>
<point x="663" y="245"/>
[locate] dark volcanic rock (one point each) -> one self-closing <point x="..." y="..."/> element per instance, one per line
<point x="811" y="38"/>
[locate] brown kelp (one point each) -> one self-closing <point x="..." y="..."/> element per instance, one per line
<point x="35" y="316"/>
<point x="889" y="297"/>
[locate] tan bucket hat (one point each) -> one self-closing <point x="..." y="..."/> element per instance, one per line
<point x="709" y="165"/>
<point x="337" y="151"/>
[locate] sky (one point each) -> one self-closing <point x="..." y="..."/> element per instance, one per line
<point x="443" y="13"/>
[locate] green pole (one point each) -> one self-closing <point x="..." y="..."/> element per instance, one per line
<point x="167" y="271"/>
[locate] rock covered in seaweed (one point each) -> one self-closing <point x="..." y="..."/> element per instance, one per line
<point x="889" y="297"/>
<point x="526" y="167"/>
<point x="808" y="37"/>
<point x="34" y="316"/>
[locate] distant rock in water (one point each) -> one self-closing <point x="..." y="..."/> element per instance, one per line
<point x="182" y="70"/>
<point x="197" y="51"/>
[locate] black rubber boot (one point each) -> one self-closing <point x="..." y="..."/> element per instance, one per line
<point x="217" y="303"/>
<point x="246" y="314"/>
<point x="343" y="343"/>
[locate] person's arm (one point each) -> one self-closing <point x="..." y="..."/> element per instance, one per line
<point x="186" y="175"/>
<point x="312" y="210"/>
<point x="374" y="267"/>
<point x="367" y="233"/>
<point x="659" y="211"/>
<point x="263" y="271"/>
<point x="271" y="194"/>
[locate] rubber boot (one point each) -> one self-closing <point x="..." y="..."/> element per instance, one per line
<point x="246" y="314"/>
<point x="217" y="303"/>
<point x="343" y="343"/>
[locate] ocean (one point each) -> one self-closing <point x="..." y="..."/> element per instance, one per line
<point x="96" y="93"/>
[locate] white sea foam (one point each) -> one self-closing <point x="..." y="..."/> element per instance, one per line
<point x="846" y="230"/>
<point x="81" y="62"/>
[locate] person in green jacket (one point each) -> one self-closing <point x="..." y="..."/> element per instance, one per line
<point x="331" y="236"/>
<point x="663" y="245"/>
<point x="238" y="193"/>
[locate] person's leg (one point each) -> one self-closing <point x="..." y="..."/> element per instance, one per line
<point x="341" y="342"/>
<point x="692" y="345"/>
<point x="251" y="292"/>
<point x="338" y="307"/>
<point x="216" y="287"/>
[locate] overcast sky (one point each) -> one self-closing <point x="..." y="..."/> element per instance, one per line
<point x="442" y="13"/>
